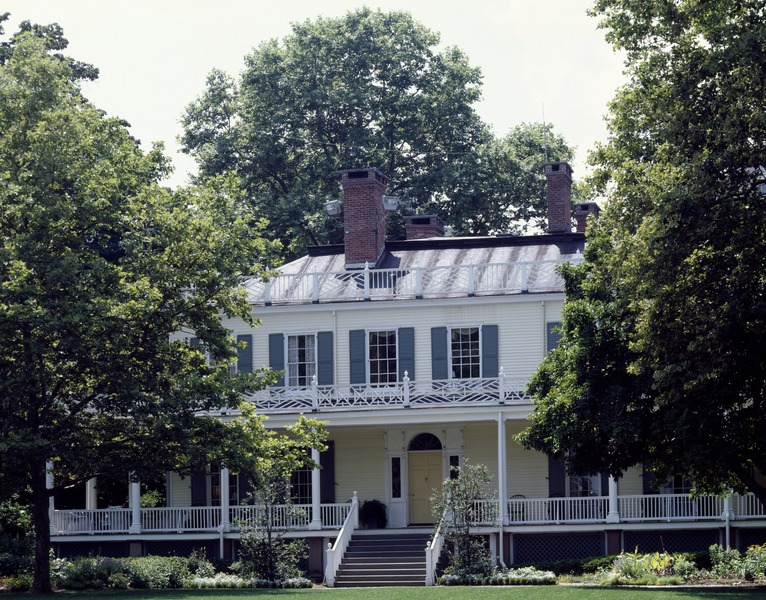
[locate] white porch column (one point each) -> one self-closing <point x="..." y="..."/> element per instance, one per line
<point x="316" y="493"/>
<point x="225" y="499"/>
<point x="91" y="494"/>
<point x="614" y="506"/>
<point x="135" y="507"/>
<point x="49" y="485"/>
<point x="502" y="491"/>
<point x="728" y="515"/>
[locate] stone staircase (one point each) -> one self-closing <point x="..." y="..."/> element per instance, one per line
<point x="384" y="559"/>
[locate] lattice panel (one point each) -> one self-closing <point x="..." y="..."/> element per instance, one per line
<point x="750" y="537"/>
<point x="677" y="540"/>
<point x="76" y="549"/>
<point x="531" y="548"/>
<point x="180" y="548"/>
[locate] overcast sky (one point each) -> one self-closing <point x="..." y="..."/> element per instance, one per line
<point x="537" y="57"/>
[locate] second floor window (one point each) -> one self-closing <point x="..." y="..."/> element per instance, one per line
<point x="465" y="355"/>
<point x="301" y="360"/>
<point x="382" y="356"/>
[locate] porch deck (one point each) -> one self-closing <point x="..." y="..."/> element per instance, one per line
<point x="657" y="508"/>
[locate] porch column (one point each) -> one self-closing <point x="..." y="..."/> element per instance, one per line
<point x="225" y="499"/>
<point x="49" y="485"/>
<point x="135" y="507"/>
<point x="91" y="495"/>
<point x="614" y="506"/>
<point x="728" y="515"/>
<point x="316" y="493"/>
<point x="501" y="470"/>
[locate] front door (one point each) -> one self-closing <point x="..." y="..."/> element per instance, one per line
<point x="425" y="478"/>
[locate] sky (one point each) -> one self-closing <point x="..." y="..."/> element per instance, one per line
<point x="541" y="60"/>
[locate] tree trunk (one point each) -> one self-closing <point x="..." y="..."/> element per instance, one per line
<point x="42" y="526"/>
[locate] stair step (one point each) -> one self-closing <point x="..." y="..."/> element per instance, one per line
<point x="383" y="560"/>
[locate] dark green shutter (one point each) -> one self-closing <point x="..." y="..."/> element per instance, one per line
<point x="327" y="474"/>
<point x="406" y="352"/>
<point x="324" y="358"/>
<point x="556" y="478"/>
<point x="552" y="335"/>
<point x="198" y="488"/>
<point x="357" y="356"/>
<point x="439" y="353"/>
<point x="489" y="358"/>
<point x="277" y="354"/>
<point x="604" y="484"/>
<point x="245" y="355"/>
<point x="194" y="342"/>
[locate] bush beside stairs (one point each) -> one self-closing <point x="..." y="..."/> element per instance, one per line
<point x="384" y="559"/>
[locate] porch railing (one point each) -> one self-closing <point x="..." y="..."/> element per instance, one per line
<point x="519" y="511"/>
<point x="407" y="393"/>
<point x="669" y="507"/>
<point x="411" y="283"/>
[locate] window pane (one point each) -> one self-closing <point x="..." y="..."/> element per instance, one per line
<point x="301" y="360"/>
<point x="382" y="353"/>
<point x="465" y="354"/>
<point x="396" y="477"/>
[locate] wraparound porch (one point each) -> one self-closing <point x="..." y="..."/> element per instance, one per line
<point x="518" y="512"/>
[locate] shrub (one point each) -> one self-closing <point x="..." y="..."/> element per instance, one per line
<point x="520" y="576"/>
<point x="272" y="559"/>
<point x="158" y="572"/>
<point x="92" y="573"/>
<point x="18" y="583"/>
<point x="13" y="564"/>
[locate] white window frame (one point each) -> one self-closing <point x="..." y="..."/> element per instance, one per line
<point x="308" y="378"/>
<point x="368" y="358"/>
<point x="450" y="358"/>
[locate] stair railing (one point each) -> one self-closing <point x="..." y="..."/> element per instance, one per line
<point x="433" y="551"/>
<point x="335" y="552"/>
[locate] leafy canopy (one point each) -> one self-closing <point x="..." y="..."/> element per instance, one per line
<point x="367" y="89"/>
<point x="662" y="359"/>
<point x="99" y="268"/>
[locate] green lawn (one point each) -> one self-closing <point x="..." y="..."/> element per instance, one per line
<point x="435" y="593"/>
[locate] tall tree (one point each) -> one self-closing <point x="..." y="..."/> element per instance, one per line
<point x="99" y="267"/>
<point x="366" y="89"/>
<point x="662" y="359"/>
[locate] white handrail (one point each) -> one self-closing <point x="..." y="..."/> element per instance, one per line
<point x="433" y="551"/>
<point x="335" y="552"/>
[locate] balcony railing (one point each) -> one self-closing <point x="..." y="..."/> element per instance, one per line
<point x="319" y="398"/>
<point x="519" y="511"/>
<point x="412" y="283"/>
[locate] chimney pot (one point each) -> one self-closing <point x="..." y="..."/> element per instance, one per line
<point x="583" y="210"/>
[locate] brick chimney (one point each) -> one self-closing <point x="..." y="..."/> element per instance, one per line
<point x="364" y="221"/>
<point x="418" y="227"/>
<point x="559" y="178"/>
<point x="582" y="211"/>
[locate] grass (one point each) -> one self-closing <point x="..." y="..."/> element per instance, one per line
<point x="435" y="593"/>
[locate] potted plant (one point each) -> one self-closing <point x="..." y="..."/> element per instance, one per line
<point x="372" y="514"/>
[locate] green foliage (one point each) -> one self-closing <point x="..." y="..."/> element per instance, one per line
<point x="456" y="509"/>
<point x="270" y="559"/>
<point x="367" y="89"/>
<point x="662" y="360"/>
<point x="659" y="568"/>
<point x="729" y="563"/>
<point x="157" y="572"/>
<point x="93" y="573"/>
<point x="16" y="539"/>
<point x="101" y="268"/>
